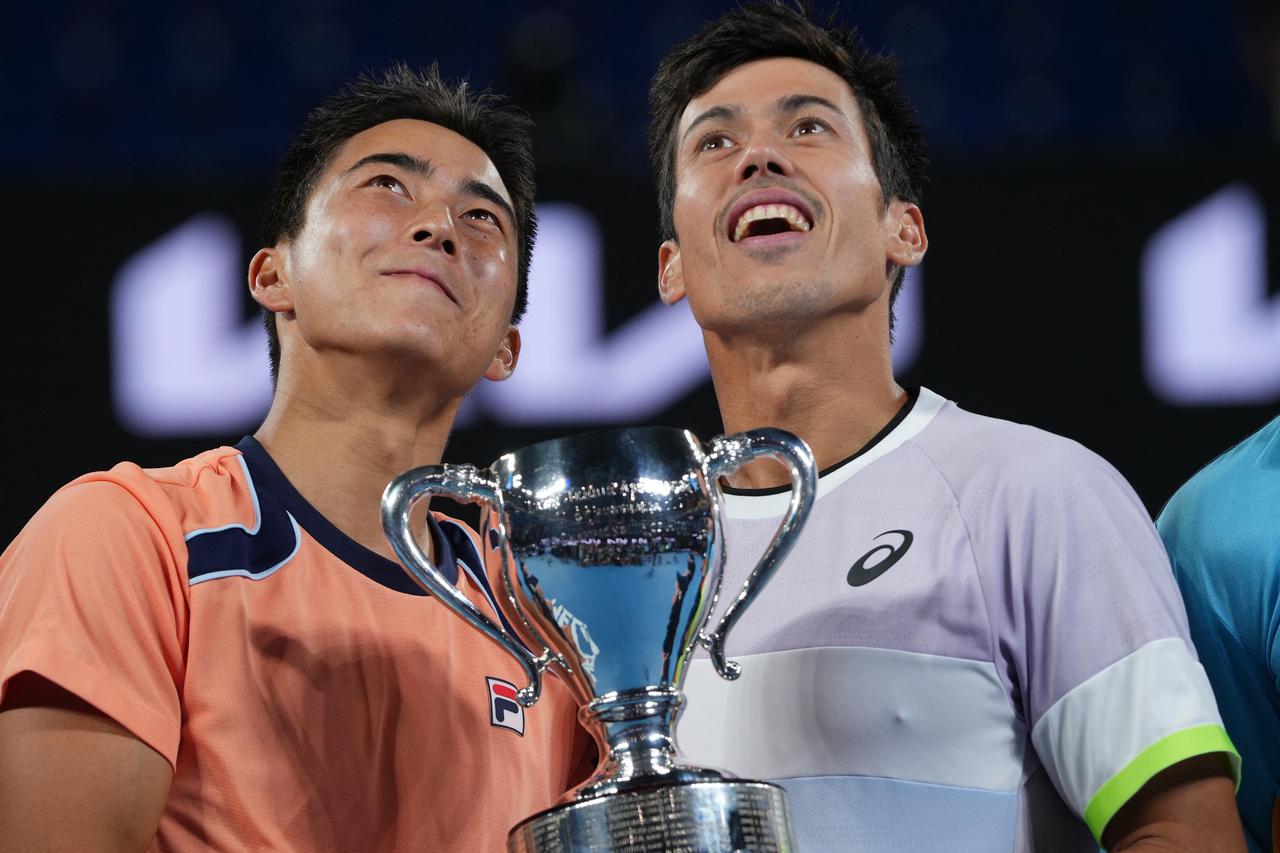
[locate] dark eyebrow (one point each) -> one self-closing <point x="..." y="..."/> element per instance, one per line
<point x="795" y="103"/>
<point x="480" y="189"/>
<point x="396" y="158"/>
<point x="417" y="165"/>
<point x="720" y="113"/>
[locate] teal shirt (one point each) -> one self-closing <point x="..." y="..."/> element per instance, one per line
<point x="1222" y="529"/>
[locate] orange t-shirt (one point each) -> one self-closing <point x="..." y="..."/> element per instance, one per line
<point x="307" y="694"/>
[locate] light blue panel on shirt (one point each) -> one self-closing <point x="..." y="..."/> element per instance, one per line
<point x="874" y="815"/>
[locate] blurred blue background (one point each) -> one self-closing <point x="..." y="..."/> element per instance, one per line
<point x="196" y="91"/>
<point x="1104" y="194"/>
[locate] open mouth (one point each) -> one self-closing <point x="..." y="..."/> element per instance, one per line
<point x="764" y="219"/>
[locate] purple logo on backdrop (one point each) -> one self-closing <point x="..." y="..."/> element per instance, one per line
<point x="1211" y="331"/>
<point x="186" y="361"/>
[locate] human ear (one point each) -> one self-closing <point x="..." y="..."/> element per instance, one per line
<point x="670" y="273"/>
<point x="504" y="360"/>
<point x="268" y="285"/>
<point x="907" y="239"/>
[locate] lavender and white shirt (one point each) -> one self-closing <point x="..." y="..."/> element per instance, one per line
<point x="975" y="645"/>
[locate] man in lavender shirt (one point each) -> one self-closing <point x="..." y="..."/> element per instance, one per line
<point x="977" y="644"/>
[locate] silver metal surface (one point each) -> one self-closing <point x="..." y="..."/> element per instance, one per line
<point x="728" y="454"/>
<point x="463" y="482"/>
<point x="716" y="817"/>
<point x="613" y="563"/>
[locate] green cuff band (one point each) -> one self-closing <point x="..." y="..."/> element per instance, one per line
<point x="1188" y="743"/>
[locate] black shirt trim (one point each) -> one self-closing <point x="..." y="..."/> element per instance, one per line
<point x="267" y="476"/>
<point x="913" y="394"/>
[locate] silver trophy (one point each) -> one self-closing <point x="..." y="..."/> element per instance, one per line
<point x="613" y="565"/>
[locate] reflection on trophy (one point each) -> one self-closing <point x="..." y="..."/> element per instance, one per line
<point x="613" y="563"/>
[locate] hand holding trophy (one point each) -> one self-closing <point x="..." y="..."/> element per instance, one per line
<point x="612" y="561"/>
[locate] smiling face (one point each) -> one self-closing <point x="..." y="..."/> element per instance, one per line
<point x="778" y="212"/>
<point x="408" y="253"/>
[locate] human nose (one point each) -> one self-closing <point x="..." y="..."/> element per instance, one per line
<point x="433" y="226"/>
<point x="761" y="157"/>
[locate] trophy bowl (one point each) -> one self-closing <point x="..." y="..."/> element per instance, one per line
<point x="611" y="560"/>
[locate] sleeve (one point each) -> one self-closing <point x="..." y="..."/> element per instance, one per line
<point x="1092" y="628"/>
<point x="90" y="599"/>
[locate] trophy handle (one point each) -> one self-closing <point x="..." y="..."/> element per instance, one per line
<point x="462" y="483"/>
<point x="728" y="454"/>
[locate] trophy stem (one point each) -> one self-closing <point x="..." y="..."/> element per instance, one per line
<point x="637" y="725"/>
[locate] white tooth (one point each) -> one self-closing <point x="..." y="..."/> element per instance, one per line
<point x="770" y="211"/>
<point x="744" y="222"/>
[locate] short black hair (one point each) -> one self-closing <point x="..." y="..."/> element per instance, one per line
<point x="503" y="132"/>
<point x="772" y="30"/>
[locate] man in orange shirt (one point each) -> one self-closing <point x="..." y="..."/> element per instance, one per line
<point x="223" y="655"/>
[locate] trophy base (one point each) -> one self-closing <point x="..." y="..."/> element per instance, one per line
<point x="698" y="817"/>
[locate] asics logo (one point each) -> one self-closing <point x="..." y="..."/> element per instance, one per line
<point x="880" y="559"/>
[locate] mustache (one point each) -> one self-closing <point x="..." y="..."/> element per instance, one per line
<point x="815" y="206"/>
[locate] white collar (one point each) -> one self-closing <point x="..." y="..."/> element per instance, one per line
<point x="927" y="405"/>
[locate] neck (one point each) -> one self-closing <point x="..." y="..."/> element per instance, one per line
<point x="832" y="386"/>
<point x="341" y="442"/>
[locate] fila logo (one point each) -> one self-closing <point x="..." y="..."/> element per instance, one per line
<point x="861" y="573"/>
<point x="504" y="711"/>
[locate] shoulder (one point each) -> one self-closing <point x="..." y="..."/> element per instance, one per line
<point x="170" y="499"/>
<point x="206" y="476"/>
<point x="1030" y="498"/>
<point x="1219" y="527"/>
<point x="1238" y="490"/>
<point x="984" y="457"/>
